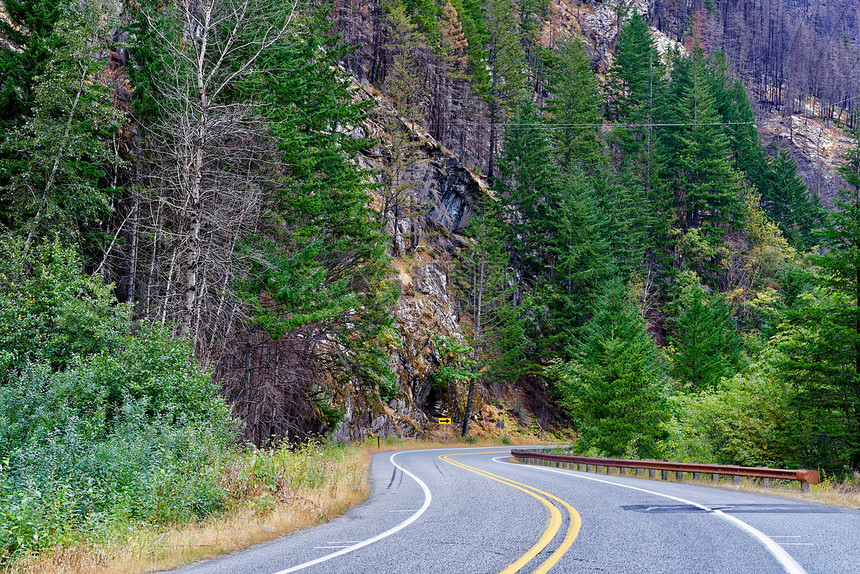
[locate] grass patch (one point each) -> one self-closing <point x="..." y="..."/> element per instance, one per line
<point x="270" y="493"/>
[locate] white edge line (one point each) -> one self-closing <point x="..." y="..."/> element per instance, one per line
<point x="788" y="562"/>
<point x="427" y="498"/>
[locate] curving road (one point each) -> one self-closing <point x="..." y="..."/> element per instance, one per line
<point x="473" y="511"/>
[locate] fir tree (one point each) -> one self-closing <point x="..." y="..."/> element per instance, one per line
<point x="575" y="108"/>
<point x="613" y="389"/>
<point x="506" y="62"/>
<point x="706" y="342"/>
<point x="789" y="201"/>
<point x="704" y="185"/>
<point x="29" y="29"/>
<point x="784" y="195"/>
<point x="402" y="84"/>
<point x="556" y="243"/>
<point x="319" y="257"/>
<point x="637" y="102"/>
<point x="822" y="340"/>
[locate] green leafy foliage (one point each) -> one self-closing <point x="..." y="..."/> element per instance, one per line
<point x="706" y="343"/>
<point x="50" y="166"/>
<point x="744" y="420"/>
<point x="456" y="364"/>
<point x="101" y="424"/>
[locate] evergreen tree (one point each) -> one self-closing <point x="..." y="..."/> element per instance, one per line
<point x="624" y="220"/>
<point x="470" y="13"/>
<point x="575" y="107"/>
<point x="637" y="102"/>
<point x="613" y="389"/>
<point x="506" y="62"/>
<point x="704" y="185"/>
<point x="28" y="27"/>
<point x="784" y="195"/>
<point x="54" y="161"/>
<point x="638" y="86"/>
<point x="822" y="340"/>
<point x="454" y="45"/>
<point x="706" y="342"/>
<point x="319" y="258"/>
<point x="556" y="243"/>
<point x="789" y="201"/>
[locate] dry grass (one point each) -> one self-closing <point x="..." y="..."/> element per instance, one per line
<point x="259" y="517"/>
<point x="843" y="494"/>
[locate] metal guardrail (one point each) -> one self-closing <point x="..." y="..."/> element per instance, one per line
<point x="806" y="477"/>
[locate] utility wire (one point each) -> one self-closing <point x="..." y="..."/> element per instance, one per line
<point x="616" y="124"/>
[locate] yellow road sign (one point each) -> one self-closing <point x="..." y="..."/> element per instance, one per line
<point x="444" y="421"/>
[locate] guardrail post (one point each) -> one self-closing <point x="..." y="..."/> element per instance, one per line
<point x="587" y="468"/>
<point x="652" y="474"/>
<point x="804" y="486"/>
<point x="765" y="482"/>
<point x="736" y="479"/>
<point x="622" y="471"/>
<point x="679" y="475"/>
<point x="638" y="472"/>
<point x="697" y="476"/>
<point x="715" y="478"/>
<point x="665" y="474"/>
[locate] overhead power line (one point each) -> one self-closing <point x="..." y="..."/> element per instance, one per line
<point x="611" y="124"/>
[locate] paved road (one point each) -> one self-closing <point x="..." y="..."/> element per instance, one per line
<point x="473" y="511"/>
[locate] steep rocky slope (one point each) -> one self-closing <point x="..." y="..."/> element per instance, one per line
<point x="426" y="306"/>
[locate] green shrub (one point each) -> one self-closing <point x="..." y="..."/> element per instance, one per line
<point x="745" y="420"/>
<point x="50" y="311"/>
<point x="103" y="423"/>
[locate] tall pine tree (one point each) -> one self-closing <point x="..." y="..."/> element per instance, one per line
<point x="613" y="388"/>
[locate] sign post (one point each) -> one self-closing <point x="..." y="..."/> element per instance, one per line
<point x="500" y="425"/>
<point x="445" y="422"/>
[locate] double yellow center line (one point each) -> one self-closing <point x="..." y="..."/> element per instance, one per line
<point x="552" y="528"/>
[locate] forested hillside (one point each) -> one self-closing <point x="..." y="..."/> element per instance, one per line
<point x="259" y="220"/>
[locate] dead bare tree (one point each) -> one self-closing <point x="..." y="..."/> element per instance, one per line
<point x="208" y="152"/>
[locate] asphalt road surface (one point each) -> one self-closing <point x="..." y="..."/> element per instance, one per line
<point x="473" y="511"/>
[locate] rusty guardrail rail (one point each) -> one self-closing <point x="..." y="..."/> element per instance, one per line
<point x="806" y="477"/>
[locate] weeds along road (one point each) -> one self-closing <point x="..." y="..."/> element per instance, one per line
<point x="473" y="511"/>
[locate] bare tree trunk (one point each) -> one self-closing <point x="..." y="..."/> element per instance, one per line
<point x="478" y="320"/>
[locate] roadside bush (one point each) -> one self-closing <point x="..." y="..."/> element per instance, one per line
<point x="50" y="311"/>
<point x="744" y="420"/>
<point x="103" y="423"/>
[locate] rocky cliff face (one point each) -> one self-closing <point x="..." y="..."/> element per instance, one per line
<point x="598" y="24"/>
<point x="446" y="192"/>
<point x="817" y="146"/>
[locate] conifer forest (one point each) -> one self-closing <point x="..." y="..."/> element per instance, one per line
<point x="228" y="224"/>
